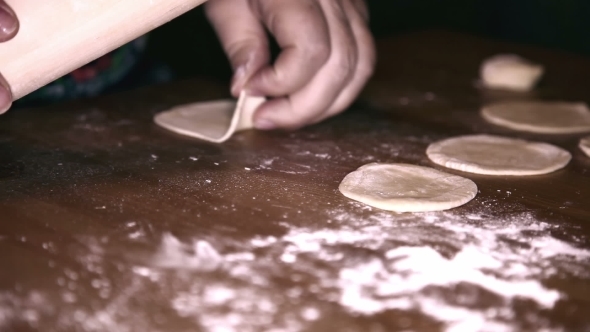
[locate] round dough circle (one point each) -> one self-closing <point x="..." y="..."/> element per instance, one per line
<point x="494" y="155"/>
<point x="585" y="145"/>
<point x="540" y="117"/>
<point x="407" y="188"/>
<point x="510" y="72"/>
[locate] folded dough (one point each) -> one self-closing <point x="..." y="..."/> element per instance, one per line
<point x="213" y="121"/>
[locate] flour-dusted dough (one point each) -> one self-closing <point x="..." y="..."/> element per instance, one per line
<point x="407" y="188"/>
<point x="510" y="72"/>
<point x="585" y="145"/>
<point x="540" y="117"/>
<point x="214" y="121"/>
<point x="494" y="155"/>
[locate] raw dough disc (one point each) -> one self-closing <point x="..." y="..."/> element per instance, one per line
<point x="585" y="145"/>
<point x="214" y="121"/>
<point x="494" y="155"/>
<point x="510" y="72"/>
<point x="540" y="117"/>
<point x="407" y="188"/>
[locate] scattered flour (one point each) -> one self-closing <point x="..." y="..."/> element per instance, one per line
<point x="201" y="256"/>
<point x="468" y="272"/>
<point x="283" y="166"/>
<point x="26" y="309"/>
<point x="383" y="263"/>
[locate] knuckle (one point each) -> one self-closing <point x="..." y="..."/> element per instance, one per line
<point x="274" y="82"/>
<point x="337" y="9"/>
<point x="318" y="53"/>
<point x="345" y="65"/>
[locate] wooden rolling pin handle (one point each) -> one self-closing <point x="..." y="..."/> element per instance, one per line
<point x="59" y="36"/>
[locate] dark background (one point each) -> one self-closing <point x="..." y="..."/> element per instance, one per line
<point x="190" y="47"/>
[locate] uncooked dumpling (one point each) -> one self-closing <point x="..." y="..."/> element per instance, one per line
<point x="214" y="121"/>
<point x="540" y="117"/>
<point x="494" y="155"/>
<point x="510" y="72"/>
<point x="407" y="188"/>
<point x="585" y="145"/>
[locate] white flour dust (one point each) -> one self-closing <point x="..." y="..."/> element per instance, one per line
<point x="384" y="262"/>
<point x="283" y="166"/>
<point x="26" y="309"/>
<point x="175" y="255"/>
<point x="464" y="272"/>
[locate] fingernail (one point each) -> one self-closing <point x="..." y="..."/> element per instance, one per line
<point x="238" y="80"/>
<point x="8" y="22"/>
<point x="264" y="124"/>
<point x="5" y="99"/>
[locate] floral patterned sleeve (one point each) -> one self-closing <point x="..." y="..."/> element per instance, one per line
<point x="93" y="78"/>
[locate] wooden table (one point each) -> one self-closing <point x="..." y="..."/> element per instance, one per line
<point x="109" y="223"/>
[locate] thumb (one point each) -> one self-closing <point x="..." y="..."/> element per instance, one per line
<point x="242" y="36"/>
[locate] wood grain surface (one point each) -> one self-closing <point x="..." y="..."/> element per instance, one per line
<point x="109" y="223"/>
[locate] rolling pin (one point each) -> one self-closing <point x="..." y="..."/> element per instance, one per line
<point x="59" y="36"/>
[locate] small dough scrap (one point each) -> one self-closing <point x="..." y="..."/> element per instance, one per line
<point x="510" y="72"/>
<point x="585" y="145"/>
<point x="495" y="155"/>
<point x="407" y="188"/>
<point x="214" y="121"/>
<point x="539" y="117"/>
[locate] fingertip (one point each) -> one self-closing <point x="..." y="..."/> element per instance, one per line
<point x="263" y="83"/>
<point x="238" y="80"/>
<point x="246" y="62"/>
<point x="264" y="124"/>
<point x="242" y="37"/>
<point x="8" y="23"/>
<point x="242" y="77"/>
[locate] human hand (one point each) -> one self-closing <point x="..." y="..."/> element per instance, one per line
<point x="327" y="55"/>
<point x="8" y="29"/>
